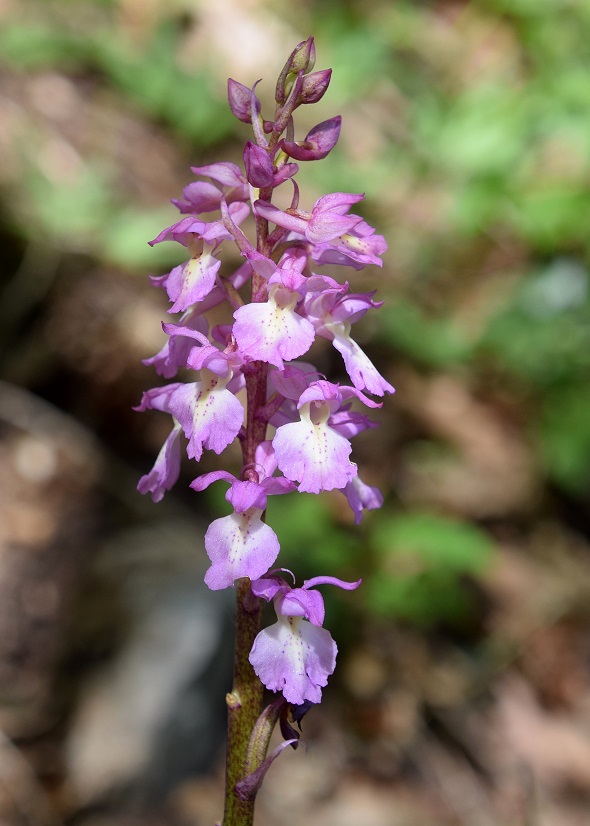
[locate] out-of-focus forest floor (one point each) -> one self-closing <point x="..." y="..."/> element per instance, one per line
<point x="462" y="693"/>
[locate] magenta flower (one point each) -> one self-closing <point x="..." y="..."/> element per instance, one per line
<point x="240" y="100"/>
<point x="260" y="170"/>
<point x="315" y="450"/>
<point x="191" y="282"/>
<point x="213" y="233"/>
<point x="325" y="222"/>
<point x="241" y="545"/>
<point x="357" y="248"/>
<point x="310" y="451"/>
<point x="203" y="196"/>
<point x="240" y="355"/>
<point x="273" y="331"/>
<point x="314" y="87"/>
<point x="332" y="314"/>
<point x="174" y="352"/>
<point x="334" y="236"/>
<point x="295" y="655"/>
<point x="209" y="413"/>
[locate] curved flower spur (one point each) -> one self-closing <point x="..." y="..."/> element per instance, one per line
<point x="260" y="350"/>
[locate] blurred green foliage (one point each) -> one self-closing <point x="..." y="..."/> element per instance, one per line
<point x="420" y="559"/>
<point x="148" y="75"/>
<point x="471" y="136"/>
<point x="412" y="564"/>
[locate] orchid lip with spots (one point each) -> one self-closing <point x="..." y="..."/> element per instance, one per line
<point x="248" y="380"/>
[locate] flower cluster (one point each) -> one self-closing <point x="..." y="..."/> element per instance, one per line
<point x="295" y="427"/>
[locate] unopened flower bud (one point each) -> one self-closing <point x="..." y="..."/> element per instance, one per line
<point x="259" y="168"/>
<point x="318" y="142"/>
<point x="314" y="86"/>
<point x="240" y="100"/>
<point x="301" y="59"/>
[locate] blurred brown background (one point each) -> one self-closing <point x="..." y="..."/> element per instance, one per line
<point x="462" y="695"/>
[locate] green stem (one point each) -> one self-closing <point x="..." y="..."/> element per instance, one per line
<point x="244" y="704"/>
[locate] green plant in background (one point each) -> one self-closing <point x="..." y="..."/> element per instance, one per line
<point x="413" y="564"/>
<point x="92" y="212"/>
<point x="542" y="336"/>
<point x="148" y="74"/>
<point x="420" y="559"/>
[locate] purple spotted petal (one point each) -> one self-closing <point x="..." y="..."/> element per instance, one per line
<point x="209" y="414"/>
<point x="314" y="455"/>
<point x="272" y="331"/>
<point x="294" y="657"/>
<point x="239" y="545"/>
<point x="191" y="282"/>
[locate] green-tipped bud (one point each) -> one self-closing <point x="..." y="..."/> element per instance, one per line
<point x="301" y="59"/>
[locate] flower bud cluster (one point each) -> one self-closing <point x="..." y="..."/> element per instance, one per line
<point x="296" y="426"/>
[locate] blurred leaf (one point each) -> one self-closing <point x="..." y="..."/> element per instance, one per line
<point x="126" y="238"/>
<point x="544" y="332"/>
<point x="32" y="45"/>
<point x="310" y="541"/>
<point x="424" y="599"/>
<point x="73" y="211"/>
<point x="432" y="541"/>
<point x="435" y="342"/>
<point x="479" y="203"/>
<point x="553" y="214"/>
<point x="531" y="8"/>
<point x="421" y="558"/>
<point x="153" y="78"/>
<point x="564" y="436"/>
<point x="481" y="132"/>
<point x="356" y="51"/>
<point x="149" y="75"/>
